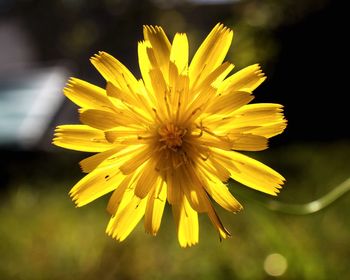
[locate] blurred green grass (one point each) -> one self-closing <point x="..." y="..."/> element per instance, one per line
<point x="43" y="236"/>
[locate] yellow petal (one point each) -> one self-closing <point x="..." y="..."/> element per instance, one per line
<point x="253" y="173"/>
<point x="212" y="166"/>
<point x="90" y="163"/>
<point x="160" y="44"/>
<point x="264" y="119"/>
<point x="113" y="70"/>
<point x="160" y="89"/>
<point x="217" y="82"/>
<point x="147" y="179"/>
<point x="182" y="93"/>
<point x="252" y="113"/>
<point x="212" y="141"/>
<point x="214" y="77"/>
<point x="118" y="133"/>
<point x="187" y="224"/>
<point x="81" y="138"/>
<point x="173" y="190"/>
<point x="210" y="54"/>
<point x="86" y="95"/>
<point x="199" y="104"/>
<point x="95" y="184"/>
<point x="144" y="62"/>
<point x="155" y="207"/>
<point x="229" y="102"/>
<point x="247" y="79"/>
<point x="192" y="187"/>
<point x="137" y="101"/>
<point x="113" y="90"/>
<point x="136" y="160"/>
<point x="179" y="52"/>
<point x="220" y="193"/>
<point x="214" y="218"/>
<point x="122" y="224"/>
<point x="106" y="120"/>
<point x="113" y="157"/>
<point x="248" y="142"/>
<point x="102" y="119"/>
<point x="270" y="130"/>
<point x="124" y="192"/>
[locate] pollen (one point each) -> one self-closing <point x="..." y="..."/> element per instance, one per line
<point x="172" y="136"/>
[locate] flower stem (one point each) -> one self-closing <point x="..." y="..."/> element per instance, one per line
<point x="310" y="207"/>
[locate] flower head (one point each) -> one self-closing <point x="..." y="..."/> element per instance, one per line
<point x="172" y="135"/>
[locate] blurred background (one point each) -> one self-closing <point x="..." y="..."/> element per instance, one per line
<point x="303" y="49"/>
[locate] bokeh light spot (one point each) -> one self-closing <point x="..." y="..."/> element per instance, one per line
<point x="275" y="264"/>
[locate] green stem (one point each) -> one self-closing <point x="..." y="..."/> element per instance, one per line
<point x="310" y="207"/>
<point x="297" y="209"/>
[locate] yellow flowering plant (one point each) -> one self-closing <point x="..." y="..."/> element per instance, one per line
<point x="172" y="136"/>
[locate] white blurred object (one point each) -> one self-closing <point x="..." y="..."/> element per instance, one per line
<point x="28" y="104"/>
<point x="30" y="94"/>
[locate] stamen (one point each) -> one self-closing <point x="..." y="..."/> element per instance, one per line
<point x="193" y="113"/>
<point x="139" y="137"/>
<point x="167" y="104"/>
<point x="172" y="136"/>
<point x="157" y="116"/>
<point x="178" y="101"/>
<point x="178" y="110"/>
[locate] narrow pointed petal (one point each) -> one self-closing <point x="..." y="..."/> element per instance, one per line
<point x="247" y="79"/>
<point x="192" y="186"/>
<point x="123" y="192"/>
<point x="160" y="44"/>
<point x="89" y="164"/>
<point x="147" y="179"/>
<point x="160" y="90"/>
<point x="136" y="159"/>
<point x="136" y="102"/>
<point x="248" y="142"/>
<point x="210" y="54"/>
<point x="214" y="77"/>
<point x="271" y="129"/>
<point x="187" y="224"/>
<point x="155" y="207"/>
<point x="254" y="174"/>
<point x="173" y="190"/>
<point x="81" y="138"/>
<point x="179" y="52"/>
<point x="229" y="102"/>
<point x="86" y="95"/>
<point x="144" y="62"/>
<point x="113" y="70"/>
<point x="122" y="224"/>
<point x="214" y="218"/>
<point x="263" y="119"/>
<point x="220" y="193"/>
<point x="100" y="119"/>
<point x="95" y="184"/>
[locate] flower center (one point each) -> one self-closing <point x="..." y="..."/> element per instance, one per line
<point x="171" y="135"/>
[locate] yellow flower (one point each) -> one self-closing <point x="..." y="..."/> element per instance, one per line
<point x="172" y="135"/>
